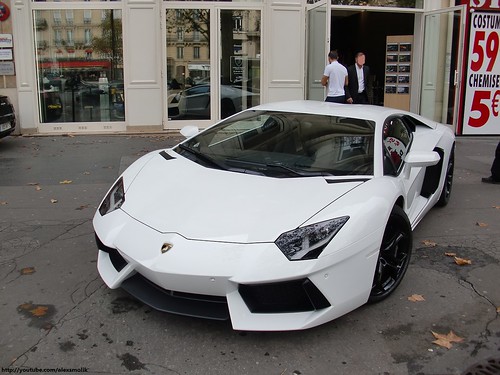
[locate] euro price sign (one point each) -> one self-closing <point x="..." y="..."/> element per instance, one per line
<point x="482" y="99"/>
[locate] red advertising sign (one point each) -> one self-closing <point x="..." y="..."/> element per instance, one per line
<point x="482" y="82"/>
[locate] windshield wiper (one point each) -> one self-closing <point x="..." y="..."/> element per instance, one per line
<point x="200" y="156"/>
<point x="262" y="168"/>
<point x="297" y="172"/>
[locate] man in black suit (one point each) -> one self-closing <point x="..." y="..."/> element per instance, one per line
<point x="359" y="84"/>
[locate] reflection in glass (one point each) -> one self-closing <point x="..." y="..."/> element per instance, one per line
<point x="79" y="65"/>
<point x="239" y="60"/>
<point x="188" y="63"/>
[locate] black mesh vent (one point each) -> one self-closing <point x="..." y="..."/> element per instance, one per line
<point x="289" y="296"/>
<point x="118" y="261"/>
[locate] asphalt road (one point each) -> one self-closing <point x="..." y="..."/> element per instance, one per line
<point x="56" y="313"/>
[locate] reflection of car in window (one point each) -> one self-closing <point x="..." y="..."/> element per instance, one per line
<point x="194" y="102"/>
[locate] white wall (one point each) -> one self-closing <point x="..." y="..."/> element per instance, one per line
<point x="285" y="45"/>
<point x="142" y="52"/>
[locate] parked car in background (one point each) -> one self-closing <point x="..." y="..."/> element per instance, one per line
<point x="7" y="116"/>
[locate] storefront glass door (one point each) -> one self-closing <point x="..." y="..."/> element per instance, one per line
<point x="188" y="63"/>
<point x="211" y="53"/>
<point x="441" y="71"/>
<point x="316" y="49"/>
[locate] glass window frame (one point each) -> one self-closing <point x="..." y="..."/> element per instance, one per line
<point x="215" y="7"/>
<point x="72" y="7"/>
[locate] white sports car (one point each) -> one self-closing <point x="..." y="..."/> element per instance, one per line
<point x="282" y="217"/>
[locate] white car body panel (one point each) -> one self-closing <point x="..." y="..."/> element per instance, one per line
<point x="221" y="226"/>
<point x="250" y="214"/>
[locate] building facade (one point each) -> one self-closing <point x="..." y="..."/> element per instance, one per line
<point x="128" y="66"/>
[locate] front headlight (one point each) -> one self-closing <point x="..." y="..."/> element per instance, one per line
<point x="114" y="199"/>
<point x="308" y="242"/>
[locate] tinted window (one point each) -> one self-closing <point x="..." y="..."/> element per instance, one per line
<point x="272" y="142"/>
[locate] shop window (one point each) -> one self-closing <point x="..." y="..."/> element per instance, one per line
<point x="80" y="71"/>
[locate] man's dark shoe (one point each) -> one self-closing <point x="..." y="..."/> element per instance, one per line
<point x="490" y="180"/>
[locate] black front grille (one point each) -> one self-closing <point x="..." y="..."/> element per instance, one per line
<point x="283" y="297"/>
<point x="189" y="304"/>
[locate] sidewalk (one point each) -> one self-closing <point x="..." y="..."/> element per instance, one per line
<point x="57" y="313"/>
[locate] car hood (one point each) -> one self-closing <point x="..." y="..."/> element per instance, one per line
<point x="180" y="196"/>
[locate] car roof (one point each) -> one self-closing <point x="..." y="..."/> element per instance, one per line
<point x="367" y="112"/>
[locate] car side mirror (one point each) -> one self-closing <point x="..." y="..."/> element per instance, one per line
<point x="420" y="159"/>
<point x="189" y="131"/>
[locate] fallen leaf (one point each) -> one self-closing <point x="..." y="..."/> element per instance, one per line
<point x="39" y="311"/>
<point x="65" y="182"/>
<point x="82" y="207"/>
<point x="26" y="306"/>
<point x="3" y="203"/>
<point x="27" y="271"/>
<point x="479" y="224"/>
<point x="86" y="173"/>
<point x="497" y="207"/>
<point x="462" y="261"/>
<point x="32" y="183"/>
<point x="450" y="254"/>
<point x="53" y="201"/>
<point x="446" y="340"/>
<point x="429" y="243"/>
<point x="498" y="309"/>
<point x="416" y="298"/>
<point x="38" y="188"/>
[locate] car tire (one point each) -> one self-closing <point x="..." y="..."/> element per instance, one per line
<point x="394" y="255"/>
<point x="444" y="198"/>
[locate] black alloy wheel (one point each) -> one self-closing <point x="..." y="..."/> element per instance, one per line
<point x="394" y="256"/>
<point x="444" y="198"/>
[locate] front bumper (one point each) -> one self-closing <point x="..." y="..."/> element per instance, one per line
<point x="254" y="285"/>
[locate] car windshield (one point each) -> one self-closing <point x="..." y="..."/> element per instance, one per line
<point x="285" y="144"/>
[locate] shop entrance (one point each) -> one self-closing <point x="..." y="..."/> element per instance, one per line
<point x="414" y="56"/>
<point x="367" y="31"/>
